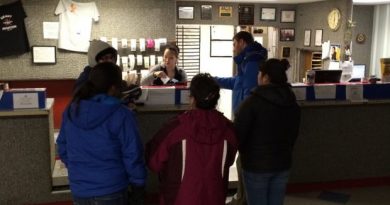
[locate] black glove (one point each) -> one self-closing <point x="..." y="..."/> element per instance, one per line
<point x="130" y="93"/>
<point x="137" y="195"/>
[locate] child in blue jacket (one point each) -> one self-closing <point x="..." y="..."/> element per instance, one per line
<point x="99" y="141"/>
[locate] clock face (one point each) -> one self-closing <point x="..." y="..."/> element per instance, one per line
<point x="334" y="19"/>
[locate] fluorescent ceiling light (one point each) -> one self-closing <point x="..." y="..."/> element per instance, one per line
<point x="371" y="2"/>
<point x="263" y="1"/>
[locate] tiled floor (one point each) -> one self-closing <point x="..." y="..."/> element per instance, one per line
<point x="357" y="196"/>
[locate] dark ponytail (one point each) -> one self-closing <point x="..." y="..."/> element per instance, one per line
<point x="276" y="70"/>
<point x="205" y="90"/>
<point x="100" y="80"/>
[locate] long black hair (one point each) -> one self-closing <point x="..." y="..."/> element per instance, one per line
<point x="276" y="70"/>
<point x="205" y="90"/>
<point x="101" y="79"/>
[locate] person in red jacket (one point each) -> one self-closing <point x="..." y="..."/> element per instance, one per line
<point x="192" y="153"/>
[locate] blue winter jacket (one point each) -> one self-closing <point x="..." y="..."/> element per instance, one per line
<point x="100" y="145"/>
<point x="248" y="62"/>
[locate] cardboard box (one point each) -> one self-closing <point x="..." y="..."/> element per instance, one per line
<point x="23" y="98"/>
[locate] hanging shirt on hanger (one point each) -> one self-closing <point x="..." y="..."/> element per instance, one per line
<point x="76" y="24"/>
<point x="13" y="37"/>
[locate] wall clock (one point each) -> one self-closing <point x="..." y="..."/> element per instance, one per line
<point x="360" y="38"/>
<point x="334" y="19"/>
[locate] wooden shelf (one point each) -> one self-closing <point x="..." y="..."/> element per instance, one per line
<point x="316" y="60"/>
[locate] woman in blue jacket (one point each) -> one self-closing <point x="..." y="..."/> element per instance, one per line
<point x="99" y="141"/>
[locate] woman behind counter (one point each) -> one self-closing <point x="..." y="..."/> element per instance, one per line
<point x="167" y="73"/>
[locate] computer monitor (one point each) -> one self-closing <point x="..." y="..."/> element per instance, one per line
<point x="327" y="76"/>
<point x="358" y="71"/>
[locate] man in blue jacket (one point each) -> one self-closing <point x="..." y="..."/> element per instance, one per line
<point x="248" y="55"/>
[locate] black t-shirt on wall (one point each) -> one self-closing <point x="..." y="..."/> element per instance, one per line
<point x="13" y="36"/>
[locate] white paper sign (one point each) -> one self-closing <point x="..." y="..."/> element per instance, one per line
<point x="124" y="43"/>
<point x="146" y="61"/>
<point x="142" y="44"/>
<point x="139" y="59"/>
<point x="50" y="30"/>
<point x="300" y="93"/>
<point x="131" y="61"/>
<point x="152" y="60"/>
<point x="114" y="43"/>
<point x="325" y="91"/>
<point x="159" y="60"/>
<point x="125" y="63"/>
<point x="25" y="100"/>
<point x="354" y="92"/>
<point x="104" y="39"/>
<point x="133" y="44"/>
<point x="157" y="44"/>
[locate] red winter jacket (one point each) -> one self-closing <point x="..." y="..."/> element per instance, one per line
<point x="192" y="154"/>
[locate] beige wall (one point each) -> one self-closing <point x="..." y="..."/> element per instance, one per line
<point x="118" y="18"/>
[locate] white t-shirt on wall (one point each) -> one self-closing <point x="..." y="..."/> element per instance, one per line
<point x="76" y="24"/>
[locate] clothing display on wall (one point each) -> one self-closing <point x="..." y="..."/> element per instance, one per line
<point x="76" y="24"/>
<point x="13" y="36"/>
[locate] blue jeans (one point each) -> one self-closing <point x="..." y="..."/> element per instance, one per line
<point x="265" y="188"/>
<point x="118" y="198"/>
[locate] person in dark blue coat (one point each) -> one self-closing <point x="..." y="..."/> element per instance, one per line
<point x="267" y="126"/>
<point x="99" y="141"/>
<point x="248" y="55"/>
<point x="98" y="52"/>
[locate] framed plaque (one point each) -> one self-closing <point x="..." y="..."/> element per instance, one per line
<point x="318" y="37"/>
<point x="287" y="16"/>
<point x="287" y="34"/>
<point x="44" y="54"/>
<point x="246" y="14"/>
<point x="285" y="52"/>
<point x="185" y="12"/>
<point x="268" y="14"/>
<point x="306" y="40"/>
<point x="225" y="11"/>
<point x="206" y="12"/>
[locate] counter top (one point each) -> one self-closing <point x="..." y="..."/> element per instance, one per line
<point x="29" y="112"/>
<point x="319" y="103"/>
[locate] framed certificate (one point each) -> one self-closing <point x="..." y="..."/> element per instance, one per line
<point x="306" y="40"/>
<point x="225" y="11"/>
<point x="287" y="16"/>
<point x="268" y="14"/>
<point x="44" y="54"/>
<point x="246" y="14"/>
<point x="287" y="34"/>
<point x="318" y="37"/>
<point x="286" y="52"/>
<point x="185" y="12"/>
<point x="206" y="12"/>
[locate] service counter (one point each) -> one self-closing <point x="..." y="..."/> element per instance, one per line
<point x="342" y="140"/>
<point x="27" y="156"/>
<point x="338" y="140"/>
<point x="150" y="119"/>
